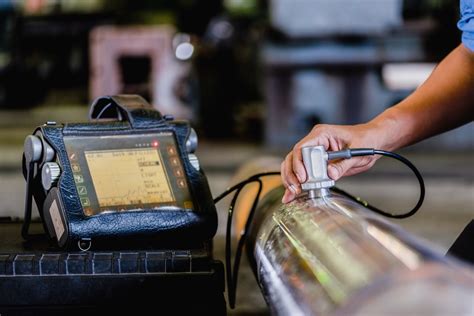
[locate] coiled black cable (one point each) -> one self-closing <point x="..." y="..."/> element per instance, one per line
<point x="232" y="270"/>
<point x="358" y="152"/>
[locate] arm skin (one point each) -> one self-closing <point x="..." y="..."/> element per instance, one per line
<point x="443" y="102"/>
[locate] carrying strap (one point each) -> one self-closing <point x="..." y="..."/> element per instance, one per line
<point x="126" y="107"/>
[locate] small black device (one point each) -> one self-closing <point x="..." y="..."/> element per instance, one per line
<point x="129" y="175"/>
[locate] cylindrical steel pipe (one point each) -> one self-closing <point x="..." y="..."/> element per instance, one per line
<point x="331" y="256"/>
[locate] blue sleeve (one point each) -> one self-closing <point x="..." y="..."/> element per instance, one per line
<point x="466" y="23"/>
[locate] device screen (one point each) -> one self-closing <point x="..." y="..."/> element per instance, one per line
<point x="127" y="172"/>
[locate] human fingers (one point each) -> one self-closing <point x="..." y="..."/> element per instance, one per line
<point x="288" y="177"/>
<point x="288" y="196"/>
<point x="297" y="164"/>
<point x="347" y="167"/>
<point x="337" y="169"/>
<point x="361" y="168"/>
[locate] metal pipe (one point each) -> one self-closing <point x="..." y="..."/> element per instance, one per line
<point x="327" y="255"/>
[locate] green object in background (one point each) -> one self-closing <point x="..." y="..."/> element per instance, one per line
<point x="241" y="7"/>
<point x="81" y="5"/>
<point x="155" y="17"/>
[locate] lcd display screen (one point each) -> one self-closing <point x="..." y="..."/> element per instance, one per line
<point x="124" y="173"/>
<point x="138" y="177"/>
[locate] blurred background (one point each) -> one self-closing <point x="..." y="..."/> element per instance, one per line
<point x="252" y="76"/>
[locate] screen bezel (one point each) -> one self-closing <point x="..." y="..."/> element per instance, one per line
<point x="180" y="203"/>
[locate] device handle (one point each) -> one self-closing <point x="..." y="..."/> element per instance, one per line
<point x="125" y="107"/>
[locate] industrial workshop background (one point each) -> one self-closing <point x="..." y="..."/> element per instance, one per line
<point x="252" y="76"/>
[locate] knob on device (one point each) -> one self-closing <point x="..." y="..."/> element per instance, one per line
<point x="192" y="141"/>
<point x="50" y="174"/>
<point x="33" y="148"/>
<point x="315" y="161"/>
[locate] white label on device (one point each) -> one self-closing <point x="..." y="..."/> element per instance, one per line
<point x="56" y="219"/>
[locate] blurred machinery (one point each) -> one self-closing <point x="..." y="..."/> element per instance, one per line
<point x="150" y="61"/>
<point x="328" y="64"/>
<point x="43" y="48"/>
<point x="325" y="68"/>
<point x="254" y="70"/>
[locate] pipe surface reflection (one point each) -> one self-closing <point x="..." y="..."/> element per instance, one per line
<point x="331" y="256"/>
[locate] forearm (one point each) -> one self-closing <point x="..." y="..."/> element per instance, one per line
<point x="443" y="102"/>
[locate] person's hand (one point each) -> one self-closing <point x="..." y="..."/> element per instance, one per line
<point x="332" y="137"/>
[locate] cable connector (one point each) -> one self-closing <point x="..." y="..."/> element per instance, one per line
<point x="349" y="153"/>
<point x="315" y="160"/>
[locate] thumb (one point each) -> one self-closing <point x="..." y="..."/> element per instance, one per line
<point x="337" y="169"/>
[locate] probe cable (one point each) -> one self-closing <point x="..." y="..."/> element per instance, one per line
<point x="232" y="271"/>
<point x="358" y="152"/>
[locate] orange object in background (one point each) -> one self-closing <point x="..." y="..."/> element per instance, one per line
<point x="34" y="6"/>
<point x="247" y="196"/>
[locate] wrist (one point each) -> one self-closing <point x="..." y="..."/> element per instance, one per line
<point x="386" y="131"/>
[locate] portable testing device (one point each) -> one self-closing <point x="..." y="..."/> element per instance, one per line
<point x="127" y="175"/>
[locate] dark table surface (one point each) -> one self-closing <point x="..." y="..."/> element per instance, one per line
<point x="38" y="278"/>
